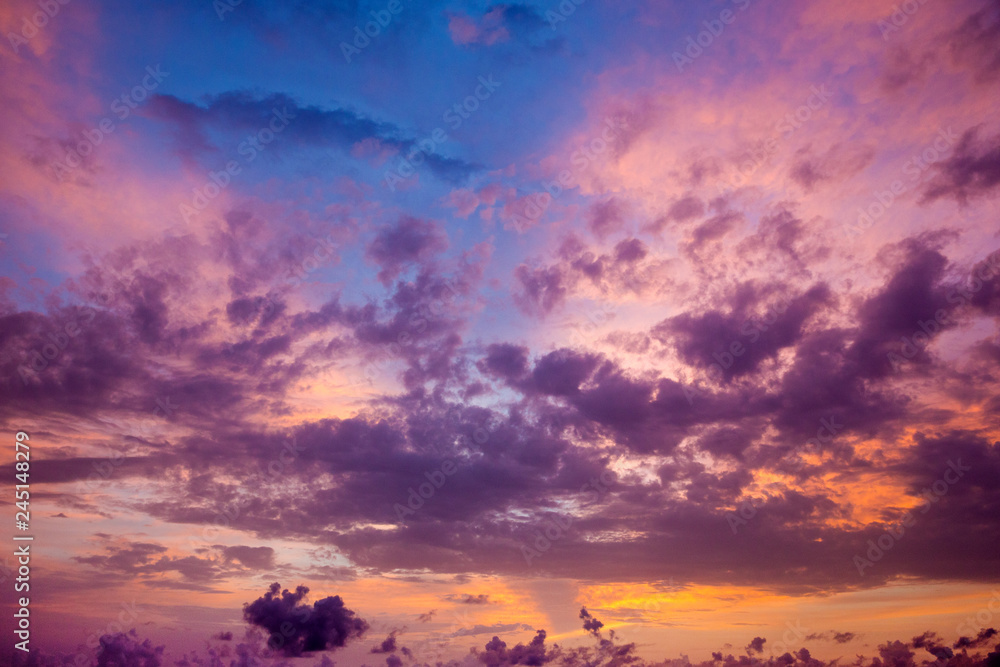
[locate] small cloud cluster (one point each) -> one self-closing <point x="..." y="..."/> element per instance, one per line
<point x="296" y="628"/>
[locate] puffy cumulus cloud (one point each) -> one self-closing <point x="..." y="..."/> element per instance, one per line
<point x="134" y="304"/>
<point x="506" y="361"/>
<point x="388" y="645"/>
<point x="496" y="653"/>
<point x="540" y="289"/>
<point x="607" y="217"/>
<point x="930" y="642"/>
<point x="406" y="243"/>
<point x="295" y="627"/>
<point x="126" y="649"/>
<point x="758" y="325"/>
<point x="971" y="170"/>
<point x="627" y="269"/>
<point x="756" y="645"/>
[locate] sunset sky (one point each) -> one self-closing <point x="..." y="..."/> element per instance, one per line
<point x="476" y="314"/>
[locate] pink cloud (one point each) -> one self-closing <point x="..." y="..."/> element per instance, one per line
<point x="464" y="29"/>
<point x="463" y="201"/>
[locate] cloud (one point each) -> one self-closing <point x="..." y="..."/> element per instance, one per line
<point x="838" y="637"/>
<point x="981" y="639"/>
<point x="756" y="645"/>
<point x="257" y="558"/>
<point x="388" y="644"/>
<point x="126" y="649"/>
<point x="590" y="624"/>
<point x="491" y="629"/>
<point x="839" y="162"/>
<point x="296" y="628"/>
<point x="685" y="209"/>
<point x="407" y="243"/>
<point x="540" y="290"/>
<point x="930" y="642"/>
<point x="488" y="31"/>
<point x="238" y="114"/>
<point x="469" y="598"/>
<point x="972" y="170"/>
<point x="606" y="217"/>
<point x="756" y="327"/>
<point x="534" y="653"/>
<point x="971" y="44"/>
<point x="501" y="24"/>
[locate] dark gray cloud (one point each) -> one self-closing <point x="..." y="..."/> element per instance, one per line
<point x="295" y="627"/>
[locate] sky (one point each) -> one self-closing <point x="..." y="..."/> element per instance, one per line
<point x="566" y="332"/>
